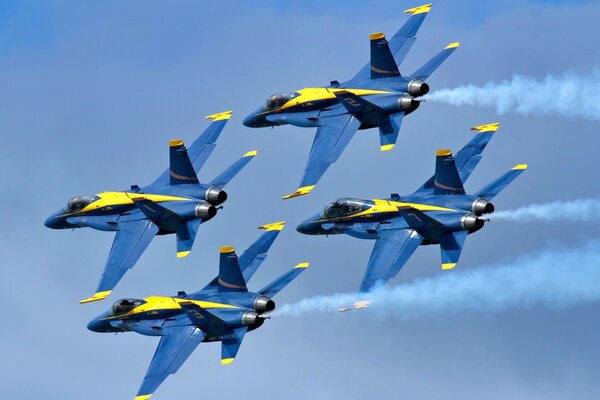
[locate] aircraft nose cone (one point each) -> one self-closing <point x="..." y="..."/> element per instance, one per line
<point x="249" y="121"/>
<point x="51" y="221"/>
<point x="302" y="228"/>
<point x="94" y="325"/>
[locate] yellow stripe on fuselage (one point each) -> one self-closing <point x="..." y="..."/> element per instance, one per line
<point x="389" y="206"/>
<point x="158" y="303"/>
<point x="109" y="199"/>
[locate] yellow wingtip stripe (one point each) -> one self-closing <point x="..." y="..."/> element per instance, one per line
<point x="226" y="361"/>
<point x="520" y="166"/>
<point x="453" y="45"/>
<point x="181" y="254"/>
<point x="143" y="397"/>
<point x="96" y="297"/>
<point x="377" y="35"/>
<point x="251" y="153"/>
<point x="387" y="147"/>
<point x="275" y="226"/>
<point x="300" y="192"/>
<point x="219" y="116"/>
<point x="493" y="127"/>
<point x="443" y="153"/>
<point x="175" y="142"/>
<point x="448" y="266"/>
<point x="226" y="249"/>
<point x="419" y="9"/>
<point x="302" y="265"/>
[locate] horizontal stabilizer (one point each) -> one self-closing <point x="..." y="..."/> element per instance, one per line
<point x="492" y="190"/>
<point x="185" y="233"/>
<point x="362" y="109"/>
<point x="275" y="287"/>
<point x="227" y="175"/>
<point x="153" y="211"/>
<point x="181" y="170"/>
<point x="447" y="180"/>
<point x="231" y="278"/>
<point x="418" y="220"/>
<point x="203" y="318"/>
<point x="230" y="345"/>
<point x="389" y="127"/>
<point x="451" y="244"/>
<point x="383" y="64"/>
<point x="430" y="66"/>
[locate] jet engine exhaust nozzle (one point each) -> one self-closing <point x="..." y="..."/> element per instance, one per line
<point x="481" y="207"/>
<point x="417" y="88"/>
<point x="263" y="304"/>
<point x="252" y="319"/>
<point x="215" y="195"/>
<point x="408" y="103"/>
<point x="471" y="222"/>
<point x="205" y="210"/>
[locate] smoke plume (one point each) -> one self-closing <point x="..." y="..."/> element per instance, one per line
<point x="575" y="210"/>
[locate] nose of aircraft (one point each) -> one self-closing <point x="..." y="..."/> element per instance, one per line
<point x="100" y="324"/>
<point x="301" y="228"/>
<point x="52" y="221"/>
<point x="94" y="325"/>
<point x="251" y="121"/>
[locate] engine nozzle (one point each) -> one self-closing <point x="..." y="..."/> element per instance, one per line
<point x="252" y="319"/>
<point x="417" y="88"/>
<point x="263" y="304"/>
<point x="408" y="103"/>
<point x="481" y="207"/>
<point x="205" y="210"/>
<point x="215" y="195"/>
<point x="471" y="222"/>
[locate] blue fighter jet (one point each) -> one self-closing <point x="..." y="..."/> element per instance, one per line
<point x="439" y="212"/>
<point x="378" y="96"/>
<point x="176" y="203"/>
<point x="224" y="311"/>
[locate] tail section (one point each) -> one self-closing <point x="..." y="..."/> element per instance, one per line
<point x="230" y="345"/>
<point x="430" y="66"/>
<point x="389" y="127"/>
<point x="383" y="64"/>
<point x="275" y="287"/>
<point x="227" y="175"/>
<point x="181" y="170"/>
<point x="492" y="190"/>
<point x="451" y="244"/>
<point x="447" y="180"/>
<point x="185" y="232"/>
<point x="231" y="278"/>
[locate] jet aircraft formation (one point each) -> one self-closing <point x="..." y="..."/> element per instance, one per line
<point x="378" y="96"/>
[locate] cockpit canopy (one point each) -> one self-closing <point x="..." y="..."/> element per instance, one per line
<point x="123" y="306"/>
<point x="277" y="100"/>
<point x="345" y="206"/>
<point x="78" y="203"/>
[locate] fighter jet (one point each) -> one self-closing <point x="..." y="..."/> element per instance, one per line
<point x="439" y="212"/>
<point x="378" y="96"/>
<point x="176" y="203"/>
<point x="224" y="311"/>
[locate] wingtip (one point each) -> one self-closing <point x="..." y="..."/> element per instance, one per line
<point x="520" y="167"/>
<point x="447" y="266"/>
<point x="443" y="153"/>
<point x="226" y="249"/>
<point x="419" y="9"/>
<point x="387" y="147"/>
<point x="453" y="45"/>
<point x="300" y="192"/>
<point x="143" y="397"/>
<point x="220" y="116"/>
<point x="275" y="226"/>
<point x="377" y="35"/>
<point x="175" y="143"/>
<point x="96" y="297"/>
<point x="492" y="127"/>
<point x="302" y="265"/>
<point x="251" y="153"/>
<point x="226" y="361"/>
<point x="182" y="254"/>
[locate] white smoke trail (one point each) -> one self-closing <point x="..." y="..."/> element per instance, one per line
<point x="567" y="95"/>
<point x="554" y="279"/>
<point x="575" y="210"/>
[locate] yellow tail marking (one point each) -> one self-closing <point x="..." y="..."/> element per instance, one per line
<point x="226" y="361"/>
<point x="143" y="397"/>
<point x="302" y="265"/>
<point x="220" y="116"/>
<point x="275" y="226"/>
<point x="377" y="35"/>
<point x="226" y="249"/>
<point x="453" y="45"/>
<point x="387" y="147"/>
<point x="181" y="254"/>
<point x="300" y="192"/>
<point x="418" y="10"/>
<point x="520" y="166"/>
<point x="251" y="153"/>
<point x="493" y="127"/>
<point x="96" y="297"/>
<point x="443" y="153"/>
<point x="175" y="142"/>
<point x="448" y="266"/>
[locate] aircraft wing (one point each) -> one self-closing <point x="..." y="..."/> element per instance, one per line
<point x="392" y="250"/>
<point x="330" y="141"/>
<point x="172" y="351"/>
<point x="131" y="240"/>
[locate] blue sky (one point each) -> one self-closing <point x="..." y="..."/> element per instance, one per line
<point x="91" y="94"/>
